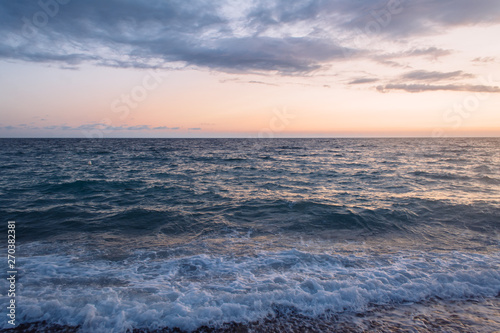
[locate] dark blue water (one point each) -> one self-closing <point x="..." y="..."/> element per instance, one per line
<point x="122" y="234"/>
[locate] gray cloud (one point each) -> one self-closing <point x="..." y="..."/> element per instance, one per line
<point x="416" y="88"/>
<point x="363" y="80"/>
<point x="393" y="17"/>
<point x="411" y="17"/>
<point x="152" y="35"/>
<point x="261" y="82"/>
<point x="429" y="52"/>
<point x="165" y="128"/>
<point x="138" y="128"/>
<point x="484" y="59"/>
<point x="87" y="127"/>
<point x="422" y="75"/>
<point x="432" y="52"/>
<point x="157" y="34"/>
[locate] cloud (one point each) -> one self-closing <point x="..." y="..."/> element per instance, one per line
<point x="393" y="17"/>
<point x="429" y="78"/>
<point x="138" y="128"/>
<point x="421" y="75"/>
<point x="406" y="18"/>
<point x="165" y="128"/>
<point x="90" y="127"/>
<point x="194" y="129"/>
<point x="289" y="38"/>
<point x="432" y="53"/>
<point x="390" y="63"/>
<point x="484" y="59"/>
<point x="87" y="130"/>
<point x="416" y="88"/>
<point x="153" y="35"/>
<point x="363" y="80"/>
<point x="261" y="82"/>
<point x="104" y="127"/>
<point x="87" y="127"/>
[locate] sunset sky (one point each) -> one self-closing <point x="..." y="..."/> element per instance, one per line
<point x="274" y="68"/>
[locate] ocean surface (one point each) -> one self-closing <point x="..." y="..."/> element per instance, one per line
<point x="237" y="235"/>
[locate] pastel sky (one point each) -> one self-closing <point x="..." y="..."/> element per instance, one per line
<point x="253" y="68"/>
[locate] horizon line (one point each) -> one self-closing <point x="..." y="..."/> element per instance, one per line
<point x="274" y="138"/>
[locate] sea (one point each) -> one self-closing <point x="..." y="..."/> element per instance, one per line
<point x="252" y="235"/>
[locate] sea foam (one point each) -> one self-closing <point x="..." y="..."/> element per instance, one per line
<point x="191" y="291"/>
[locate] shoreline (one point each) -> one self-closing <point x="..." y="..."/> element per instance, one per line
<point x="435" y="315"/>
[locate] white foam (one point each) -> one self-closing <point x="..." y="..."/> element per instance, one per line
<point x="187" y="292"/>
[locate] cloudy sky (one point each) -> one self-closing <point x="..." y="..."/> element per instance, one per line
<point x="255" y="68"/>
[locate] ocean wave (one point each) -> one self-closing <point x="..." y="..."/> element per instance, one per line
<point x="132" y="212"/>
<point x="88" y="186"/>
<point x="192" y="291"/>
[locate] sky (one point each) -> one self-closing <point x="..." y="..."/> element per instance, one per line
<point x="253" y="68"/>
